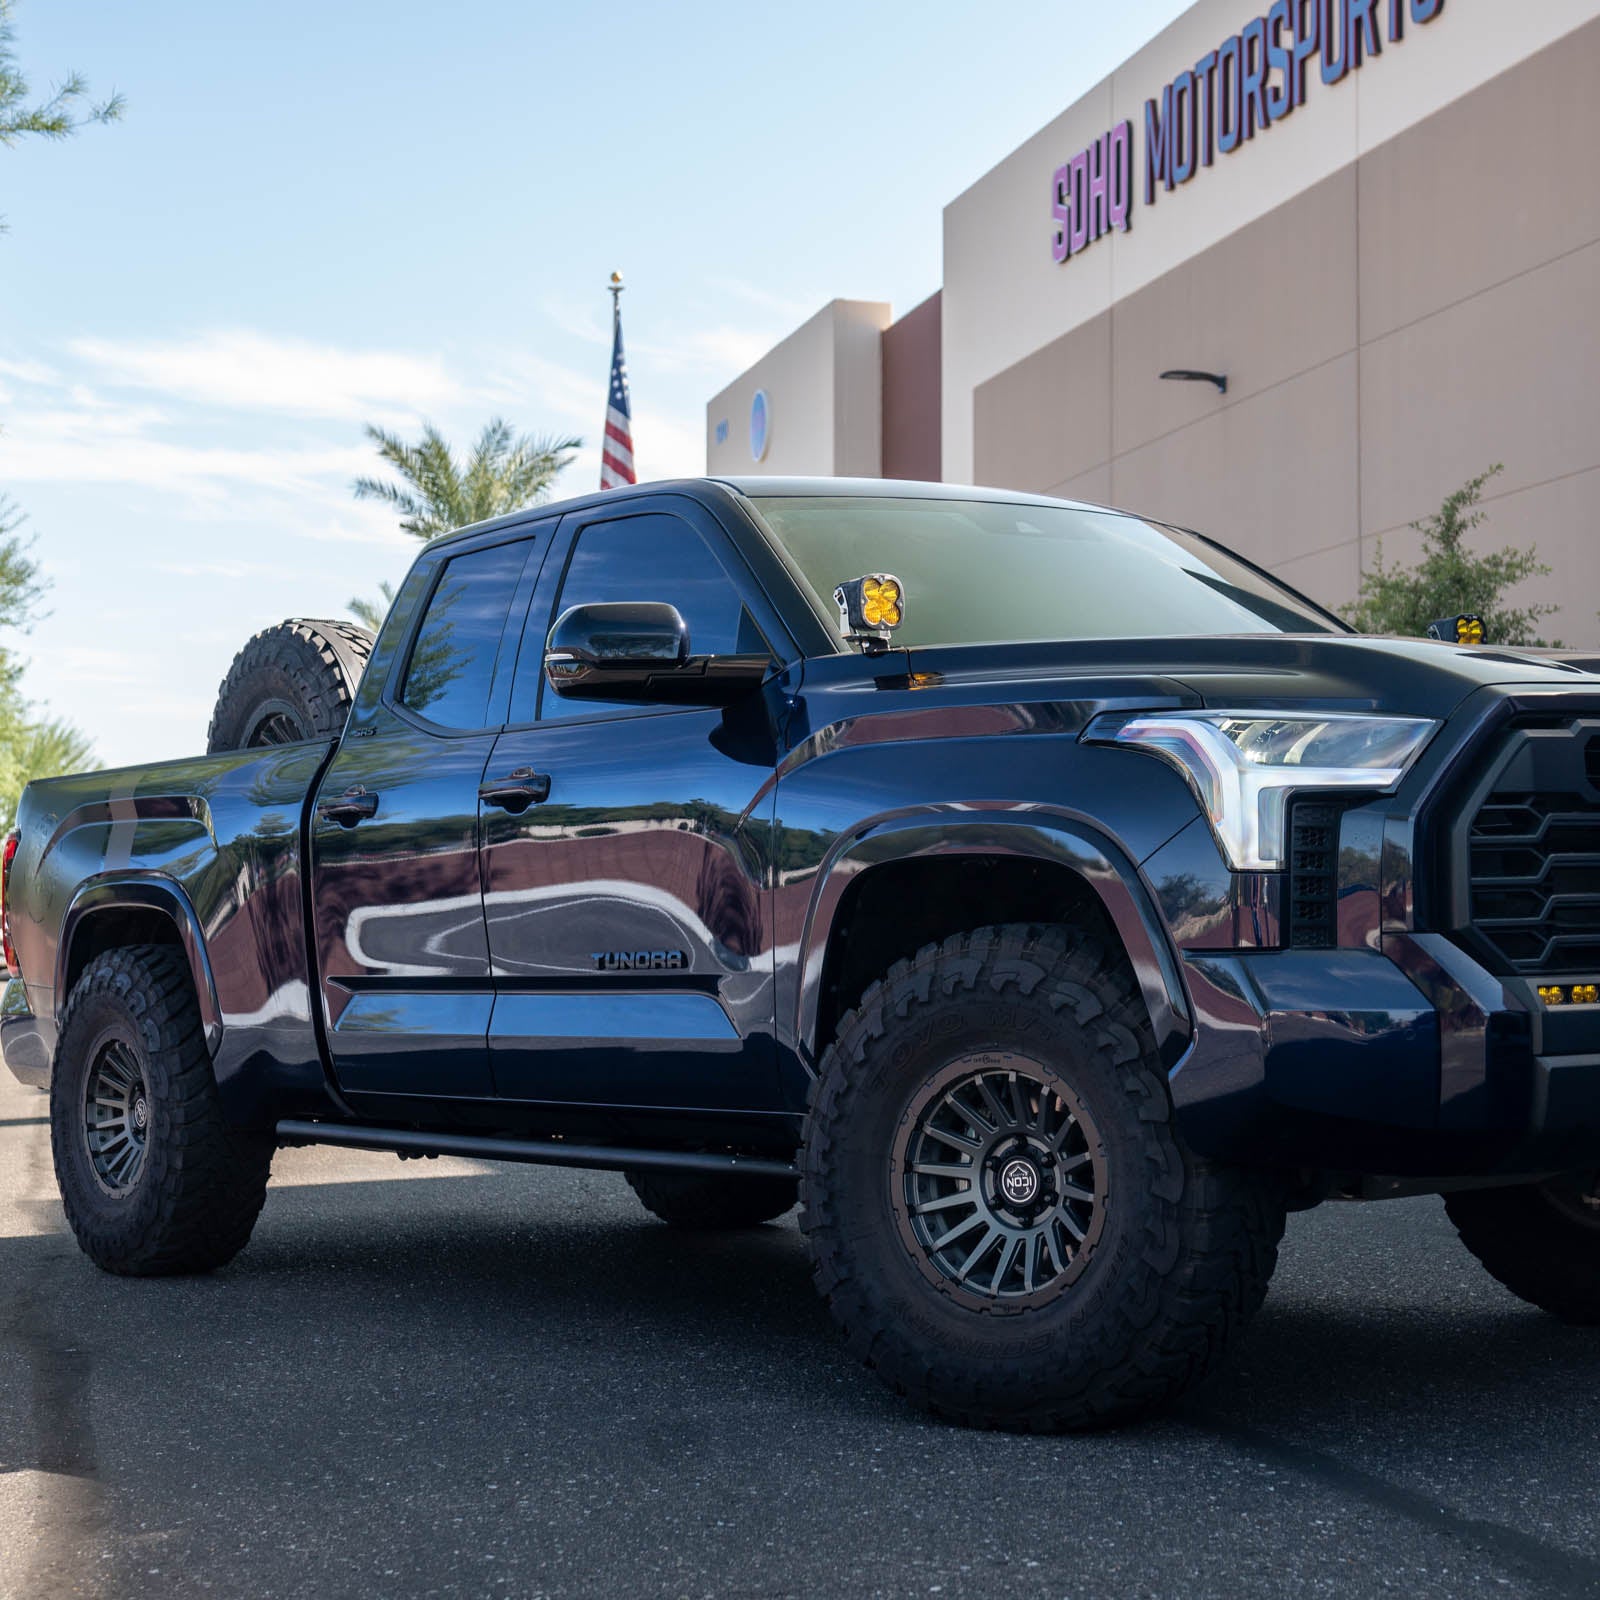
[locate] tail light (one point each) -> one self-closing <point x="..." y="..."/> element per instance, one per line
<point x="5" y="903"/>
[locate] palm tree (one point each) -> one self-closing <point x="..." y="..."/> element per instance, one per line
<point x="436" y="494"/>
<point x="370" y="613"/>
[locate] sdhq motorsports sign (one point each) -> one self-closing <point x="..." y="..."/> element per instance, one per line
<point x="1252" y="80"/>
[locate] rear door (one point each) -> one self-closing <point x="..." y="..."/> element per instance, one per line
<point x="628" y="905"/>
<point x="397" y="898"/>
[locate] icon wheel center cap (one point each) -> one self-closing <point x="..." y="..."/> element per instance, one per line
<point x="141" y="1112"/>
<point x="1019" y="1181"/>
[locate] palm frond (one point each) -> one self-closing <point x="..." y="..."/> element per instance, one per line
<point x="370" y="613"/>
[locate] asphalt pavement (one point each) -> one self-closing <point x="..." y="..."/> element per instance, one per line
<point x="456" y="1379"/>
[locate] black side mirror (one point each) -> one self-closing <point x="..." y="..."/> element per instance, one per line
<point x="639" y="650"/>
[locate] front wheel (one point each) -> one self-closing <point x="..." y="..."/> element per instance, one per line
<point x="1542" y="1241"/>
<point x="1001" y="1215"/>
<point x="152" y="1178"/>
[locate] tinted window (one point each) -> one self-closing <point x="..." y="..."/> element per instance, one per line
<point x="451" y="671"/>
<point x="985" y="571"/>
<point x="654" y="557"/>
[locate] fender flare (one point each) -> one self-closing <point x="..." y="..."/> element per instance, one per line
<point x="146" y="892"/>
<point x="1033" y="832"/>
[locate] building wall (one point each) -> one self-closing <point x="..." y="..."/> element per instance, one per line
<point x="911" y="394"/>
<point x="1390" y="324"/>
<point x="1005" y="297"/>
<point x="824" y="391"/>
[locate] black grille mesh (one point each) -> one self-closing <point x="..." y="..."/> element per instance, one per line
<point x="1534" y="874"/>
<point x="1313" y="898"/>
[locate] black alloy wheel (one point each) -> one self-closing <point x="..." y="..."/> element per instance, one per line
<point x="1002" y="1176"/>
<point x="116" y="1116"/>
<point x="276" y="722"/>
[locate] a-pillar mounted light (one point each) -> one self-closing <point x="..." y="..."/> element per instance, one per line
<point x="1190" y="375"/>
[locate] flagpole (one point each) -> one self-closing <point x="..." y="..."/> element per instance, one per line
<point x="616" y="445"/>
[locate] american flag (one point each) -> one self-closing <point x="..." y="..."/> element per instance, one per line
<point x="616" y="453"/>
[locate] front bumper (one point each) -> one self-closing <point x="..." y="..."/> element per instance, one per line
<point x="27" y="1042"/>
<point x="1413" y="1062"/>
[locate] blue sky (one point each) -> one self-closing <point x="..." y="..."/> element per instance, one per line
<point x="319" y="215"/>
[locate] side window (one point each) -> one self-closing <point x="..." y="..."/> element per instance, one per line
<point x="650" y="557"/>
<point x="450" y="675"/>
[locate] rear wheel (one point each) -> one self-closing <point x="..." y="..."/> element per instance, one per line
<point x="292" y="682"/>
<point x="709" y="1200"/>
<point x="153" y="1179"/>
<point x="1001" y="1215"/>
<point x="1542" y="1241"/>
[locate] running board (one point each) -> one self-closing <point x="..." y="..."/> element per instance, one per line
<point x="540" y="1152"/>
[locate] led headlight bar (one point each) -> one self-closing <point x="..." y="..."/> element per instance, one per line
<point x="1243" y="765"/>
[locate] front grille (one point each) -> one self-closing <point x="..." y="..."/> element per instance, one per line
<point x="1313" y="897"/>
<point x="1534" y="853"/>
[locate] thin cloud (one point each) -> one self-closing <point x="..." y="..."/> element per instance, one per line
<point x="87" y="664"/>
<point x="218" y="569"/>
<point x="666" y="448"/>
<point x="787" y="307"/>
<point x="368" y="525"/>
<point x="709" y="350"/>
<point x="722" y="349"/>
<point x="250" y="371"/>
<point x="29" y="454"/>
<point x="29" y="372"/>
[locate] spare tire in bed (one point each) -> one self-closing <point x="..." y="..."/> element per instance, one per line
<point x="295" y="681"/>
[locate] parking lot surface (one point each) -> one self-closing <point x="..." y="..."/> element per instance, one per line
<point x="452" y="1379"/>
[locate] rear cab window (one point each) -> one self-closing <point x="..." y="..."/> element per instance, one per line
<point x="450" y="674"/>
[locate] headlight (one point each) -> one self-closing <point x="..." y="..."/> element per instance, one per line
<point x="1242" y="765"/>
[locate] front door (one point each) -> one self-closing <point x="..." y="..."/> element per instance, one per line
<point x="626" y="878"/>
<point x="398" y="901"/>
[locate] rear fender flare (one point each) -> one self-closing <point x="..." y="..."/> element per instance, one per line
<point x="1054" y="837"/>
<point x="146" y="892"/>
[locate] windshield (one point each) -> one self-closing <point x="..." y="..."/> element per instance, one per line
<point x="986" y="572"/>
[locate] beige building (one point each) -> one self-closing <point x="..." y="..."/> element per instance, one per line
<point x="1377" y="220"/>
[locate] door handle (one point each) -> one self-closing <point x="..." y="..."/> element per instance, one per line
<point x="349" y="808"/>
<point x="516" y="791"/>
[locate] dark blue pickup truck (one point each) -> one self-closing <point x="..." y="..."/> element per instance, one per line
<point x="1046" y="899"/>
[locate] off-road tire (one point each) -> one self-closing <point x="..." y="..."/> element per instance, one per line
<point x="292" y="682"/>
<point x="1184" y="1249"/>
<point x="200" y="1187"/>
<point x="707" y="1201"/>
<point x="1539" y="1249"/>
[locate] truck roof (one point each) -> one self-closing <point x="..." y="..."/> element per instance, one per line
<point x="769" y="487"/>
<point x="886" y="489"/>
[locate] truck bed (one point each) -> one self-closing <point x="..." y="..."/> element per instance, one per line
<point x="205" y="852"/>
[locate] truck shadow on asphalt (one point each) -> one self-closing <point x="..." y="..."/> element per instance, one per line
<point x="580" y="1275"/>
<point x="552" y="1311"/>
<point x="1419" y="1354"/>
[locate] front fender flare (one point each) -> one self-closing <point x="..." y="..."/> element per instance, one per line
<point x="145" y="892"/>
<point x="1033" y="832"/>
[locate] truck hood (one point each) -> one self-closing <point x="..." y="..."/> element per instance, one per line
<point x="1331" y="672"/>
